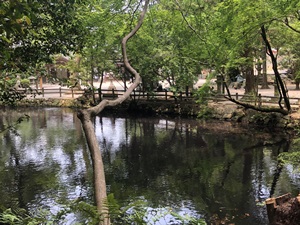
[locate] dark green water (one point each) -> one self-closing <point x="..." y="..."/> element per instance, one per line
<point x="211" y="170"/>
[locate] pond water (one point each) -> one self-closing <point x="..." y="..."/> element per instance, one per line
<point x="212" y="170"/>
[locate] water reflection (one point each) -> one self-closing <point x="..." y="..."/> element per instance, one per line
<point x="206" y="169"/>
<point x="43" y="161"/>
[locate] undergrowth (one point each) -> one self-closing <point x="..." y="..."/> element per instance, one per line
<point x="136" y="213"/>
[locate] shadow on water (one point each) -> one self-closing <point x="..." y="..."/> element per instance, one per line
<point x="214" y="170"/>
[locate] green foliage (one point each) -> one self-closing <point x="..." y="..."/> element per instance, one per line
<point x="88" y="212"/>
<point x="25" y="83"/>
<point x="30" y="31"/>
<point x="137" y="212"/>
<point x="169" y="49"/>
<point x="9" y="83"/>
<point x="20" y="217"/>
<point x="176" y="41"/>
<point x="292" y="158"/>
<point x="265" y="119"/>
<point x="205" y="113"/>
<point x="10" y="97"/>
<point x="136" y="215"/>
<point x="203" y="93"/>
<point x="202" y="96"/>
<point x="8" y="94"/>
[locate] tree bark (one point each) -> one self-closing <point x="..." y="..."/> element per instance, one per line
<point x="86" y="118"/>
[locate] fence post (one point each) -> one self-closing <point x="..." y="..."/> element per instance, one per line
<point x="100" y="94"/>
<point x="133" y="94"/>
<point x="270" y="203"/>
<point x="72" y="92"/>
<point x="59" y="91"/>
<point x="113" y="93"/>
<point x="259" y="100"/>
<point x="236" y="96"/>
<point x="43" y="92"/>
<point x="166" y="94"/>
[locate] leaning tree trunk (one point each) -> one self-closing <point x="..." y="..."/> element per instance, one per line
<point x="280" y="85"/>
<point x="86" y="118"/>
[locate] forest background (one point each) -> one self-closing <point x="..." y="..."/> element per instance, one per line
<point x="177" y="42"/>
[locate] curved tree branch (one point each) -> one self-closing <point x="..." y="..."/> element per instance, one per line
<point x="86" y="117"/>
<point x="98" y="108"/>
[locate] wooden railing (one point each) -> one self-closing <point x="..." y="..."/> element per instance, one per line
<point x="103" y="94"/>
<point x="137" y="94"/>
<point x="155" y="95"/>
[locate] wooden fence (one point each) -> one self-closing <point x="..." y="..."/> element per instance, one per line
<point x="104" y="94"/>
<point x="155" y="95"/>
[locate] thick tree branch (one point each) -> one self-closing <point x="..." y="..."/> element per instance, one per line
<point x="260" y="109"/>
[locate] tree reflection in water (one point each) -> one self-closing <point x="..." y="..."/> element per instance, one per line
<point x="210" y="169"/>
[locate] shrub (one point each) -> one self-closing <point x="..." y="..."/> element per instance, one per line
<point x="25" y="83"/>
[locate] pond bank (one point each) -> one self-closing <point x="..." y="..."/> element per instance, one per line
<point x="225" y="110"/>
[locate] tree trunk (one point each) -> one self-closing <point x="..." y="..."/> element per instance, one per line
<point x="264" y="68"/>
<point x="248" y="72"/>
<point x="86" y="118"/>
<point x="250" y="81"/>
<point x="280" y="85"/>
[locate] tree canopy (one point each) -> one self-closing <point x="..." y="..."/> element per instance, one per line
<point x="177" y="41"/>
<point x="32" y="31"/>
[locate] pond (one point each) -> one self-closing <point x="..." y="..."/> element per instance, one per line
<point x="213" y="170"/>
